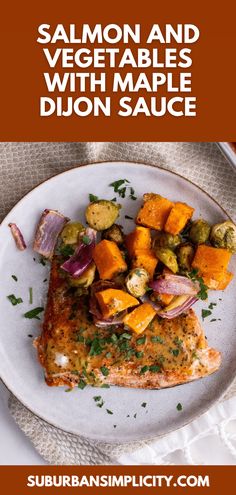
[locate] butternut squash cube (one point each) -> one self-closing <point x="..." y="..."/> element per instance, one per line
<point x="108" y="259"/>
<point x="112" y="301"/>
<point x="178" y="217"/>
<point x="154" y="212"/>
<point x="145" y="258"/>
<point x="140" y="238"/>
<point x="140" y="317"/>
<point x="216" y="285"/>
<point x="211" y="262"/>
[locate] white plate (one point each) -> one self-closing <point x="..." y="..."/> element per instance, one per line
<point x="76" y="412"/>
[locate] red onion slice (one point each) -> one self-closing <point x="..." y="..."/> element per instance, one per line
<point x="18" y="236"/>
<point x="49" y="227"/>
<point x="173" y="313"/>
<point x="81" y="259"/>
<point x="146" y="299"/>
<point x="176" y="285"/>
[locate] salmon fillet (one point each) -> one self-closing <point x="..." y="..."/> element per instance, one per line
<point x="72" y="350"/>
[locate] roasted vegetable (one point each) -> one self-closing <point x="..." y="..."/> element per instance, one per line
<point x="185" y="254"/>
<point x="164" y="239"/>
<point x="136" y="282"/>
<point x="154" y="212"/>
<point x="224" y="235"/>
<point x="163" y="299"/>
<point x="211" y="262"/>
<point x="215" y="285"/>
<point x="71" y="232"/>
<point x="178" y="305"/>
<point x="101" y="214"/>
<point x="86" y="279"/>
<point x="168" y="258"/>
<point x="179" y="215"/>
<point x="145" y="258"/>
<point x="112" y="301"/>
<point x="140" y="317"/>
<point x="114" y="233"/>
<point x="108" y="259"/>
<point x="200" y="231"/>
<point x="140" y="238"/>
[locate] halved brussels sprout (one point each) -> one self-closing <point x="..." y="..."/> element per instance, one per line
<point x="101" y="214"/>
<point x="166" y="240"/>
<point x="71" y="232"/>
<point x="185" y="255"/>
<point x="168" y="258"/>
<point x="223" y="235"/>
<point x="136" y="282"/>
<point x="200" y="231"/>
<point x="114" y="233"/>
<point x="86" y="279"/>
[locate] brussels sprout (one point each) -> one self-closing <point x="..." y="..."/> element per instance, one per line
<point x="101" y="214"/>
<point x="223" y="235"/>
<point x="200" y="231"/>
<point x="86" y="279"/>
<point x="71" y="231"/>
<point x="164" y="239"/>
<point x="185" y="254"/>
<point x="168" y="258"/>
<point x="114" y="233"/>
<point x="136" y="282"/>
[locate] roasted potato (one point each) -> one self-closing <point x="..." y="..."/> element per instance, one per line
<point x="136" y="282"/>
<point x="163" y="239"/>
<point x="200" y="231"/>
<point x="101" y="214"/>
<point x="114" y="233"/>
<point x="185" y="255"/>
<point x="71" y="232"/>
<point x="168" y="258"/>
<point x="223" y="235"/>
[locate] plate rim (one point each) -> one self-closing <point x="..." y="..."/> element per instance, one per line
<point x="145" y="436"/>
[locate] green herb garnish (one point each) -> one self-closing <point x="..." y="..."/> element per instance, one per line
<point x="82" y="384"/>
<point x="14" y="278"/>
<point x="154" y="368"/>
<point x="206" y="313"/>
<point x="109" y="411"/>
<point x="158" y="339"/>
<point x="86" y="240"/>
<point x="211" y="305"/>
<point x="97" y="398"/>
<point x="93" y="198"/>
<point x="66" y="250"/>
<point x="105" y="385"/>
<point x="179" y="407"/>
<point x="139" y="354"/>
<point x="175" y="352"/>
<point x="128" y="217"/>
<point x="125" y="336"/>
<point x="43" y="261"/>
<point x="178" y="341"/>
<point x="202" y="294"/>
<point x="144" y="404"/>
<point x="30" y="295"/>
<point x="141" y="340"/>
<point x="14" y="300"/>
<point x="144" y="369"/>
<point x="120" y="187"/>
<point x="104" y="370"/>
<point x="33" y="313"/>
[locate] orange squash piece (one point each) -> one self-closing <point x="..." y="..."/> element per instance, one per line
<point x="140" y="317"/>
<point x="112" y="301"/>
<point x="140" y="238"/>
<point x="178" y="217"/>
<point x="154" y="212"/>
<point x="145" y="258"/>
<point x="215" y="285"/>
<point x="165" y="299"/>
<point x="108" y="259"/>
<point x="211" y="262"/>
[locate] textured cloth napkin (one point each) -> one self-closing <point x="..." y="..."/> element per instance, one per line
<point x="23" y="166"/>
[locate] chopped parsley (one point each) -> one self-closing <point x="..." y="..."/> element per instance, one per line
<point x="14" y="278"/>
<point x="125" y="336"/>
<point x="82" y="384"/>
<point x="121" y="187"/>
<point x="14" y="300"/>
<point x="97" y="398"/>
<point x="141" y="340"/>
<point x="175" y="352"/>
<point x="43" y="261"/>
<point x="109" y="411"/>
<point x="206" y="313"/>
<point x="108" y="355"/>
<point x="158" y="339"/>
<point x="33" y="313"/>
<point x="154" y="368"/>
<point x="135" y="415"/>
<point x="86" y="240"/>
<point x="128" y="217"/>
<point x="211" y="305"/>
<point x="66" y="250"/>
<point x="144" y="369"/>
<point x="92" y="198"/>
<point x="30" y="295"/>
<point x="179" y="407"/>
<point x="202" y="294"/>
<point x="178" y="341"/>
<point x="144" y="404"/>
<point x="104" y="370"/>
<point x="96" y="348"/>
<point x="139" y="354"/>
<point x="105" y="385"/>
